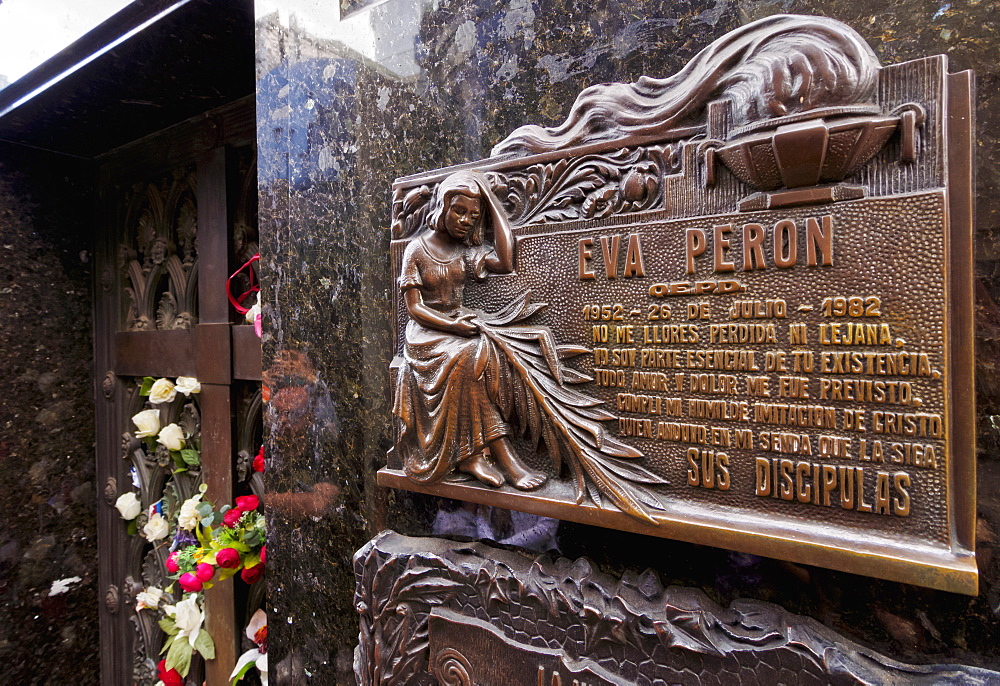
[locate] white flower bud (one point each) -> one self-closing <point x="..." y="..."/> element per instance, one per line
<point x="156" y="528"/>
<point x="187" y="385"/>
<point x="148" y="599"/>
<point x="189" y="517"/>
<point x="163" y="391"/>
<point x="148" y="423"/>
<point x="128" y="505"/>
<point x="171" y="436"/>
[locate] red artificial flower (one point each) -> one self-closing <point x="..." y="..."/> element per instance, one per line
<point x="260" y="638"/>
<point x="231" y="518"/>
<point x="204" y="571"/>
<point x="190" y="583"/>
<point x="258" y="462"/>
<point x="169" y="677"/>
<point x="247" y="503"/>
<point x="263" y="554"/>
<point x="171" y="563"/>
<point x="229" y="558"/>
<point x="252" y="574"/>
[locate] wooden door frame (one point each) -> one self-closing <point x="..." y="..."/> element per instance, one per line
<point x="211" y="350"/>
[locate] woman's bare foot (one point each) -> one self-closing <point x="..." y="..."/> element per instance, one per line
<point x="482" y="469"/>
<point x="520" y="476"/>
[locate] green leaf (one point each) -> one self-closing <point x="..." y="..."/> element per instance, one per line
<point x="205" y="645"/>
<point x="147" y="383"/>
<point x="191" y="457"/>
<point x="133" y="527"/>
<point x="204" y="509"/>
<point x="252" y="539"/>
<point x="208" y="520"/>
<point x="166" y="645"/>
<point x="242" y="671"/>
<point x="179" y="656"/>
<point x="178" y="459"/>
<point x="169" y="626"/>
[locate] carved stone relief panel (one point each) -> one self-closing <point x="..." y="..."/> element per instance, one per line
<point x="158" y="260"/>
<point x="440" y="612"/>
<point x="730" y="306"/>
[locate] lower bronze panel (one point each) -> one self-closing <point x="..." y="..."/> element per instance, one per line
<point x="436" y="611"/>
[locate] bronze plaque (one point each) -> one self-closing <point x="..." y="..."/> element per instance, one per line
<point x="732" y="306"/>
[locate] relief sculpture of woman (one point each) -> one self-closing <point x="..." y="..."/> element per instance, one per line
<point x="450" y="421"/>
<point x="471" y="381"/>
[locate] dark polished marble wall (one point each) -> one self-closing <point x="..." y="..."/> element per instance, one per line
<point x="48" y="498"/>
<point x="345" y="105"/>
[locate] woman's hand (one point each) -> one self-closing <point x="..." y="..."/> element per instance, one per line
<point x="488" y="195"/>
<point x="464" y="326"/>
<point x="504" y="242"/>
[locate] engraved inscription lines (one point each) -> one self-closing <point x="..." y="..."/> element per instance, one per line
<point x="806" y="384"/>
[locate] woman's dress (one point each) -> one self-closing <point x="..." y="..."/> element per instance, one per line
<point x="441" y="398"/>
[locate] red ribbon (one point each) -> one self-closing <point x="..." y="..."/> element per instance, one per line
<point x="254" y="286"/>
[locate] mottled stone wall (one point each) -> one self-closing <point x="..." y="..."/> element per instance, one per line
<point x="48" y="529"/>
<point x="347" y="104"/>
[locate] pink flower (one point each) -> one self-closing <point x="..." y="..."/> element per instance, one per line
<point x="247" y="503"/>
<point x="258" y="462"/>
<point x="190" y="583"/>
<point x="228" y="558"/>
<point x="252" y="574"/>
<point x="171" y="563"/>
<point x="263" y="554"/>
<point x="231" y="518"/>
<point x="204" y="571"/>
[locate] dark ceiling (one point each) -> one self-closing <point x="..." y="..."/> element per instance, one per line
<point x="183" y="57"/>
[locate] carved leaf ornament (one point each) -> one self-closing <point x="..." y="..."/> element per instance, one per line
<point x="159" y="260"/>
<point x="593" y="186"/>
<point x="531" y="385"/>
<point x="672" y="632"/>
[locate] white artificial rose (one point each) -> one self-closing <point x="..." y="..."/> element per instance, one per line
<point x="187" y="385"/>
<point x="148" y="599"/>
<point x="188" y="617"/>
<point x="163" y="391"/>
<point x="128" y="505"/>
<point x="156" y="528"/>
<point x="171" y="436"/>
<point x="189" y="517"/>
<point x="148" y="423"/>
